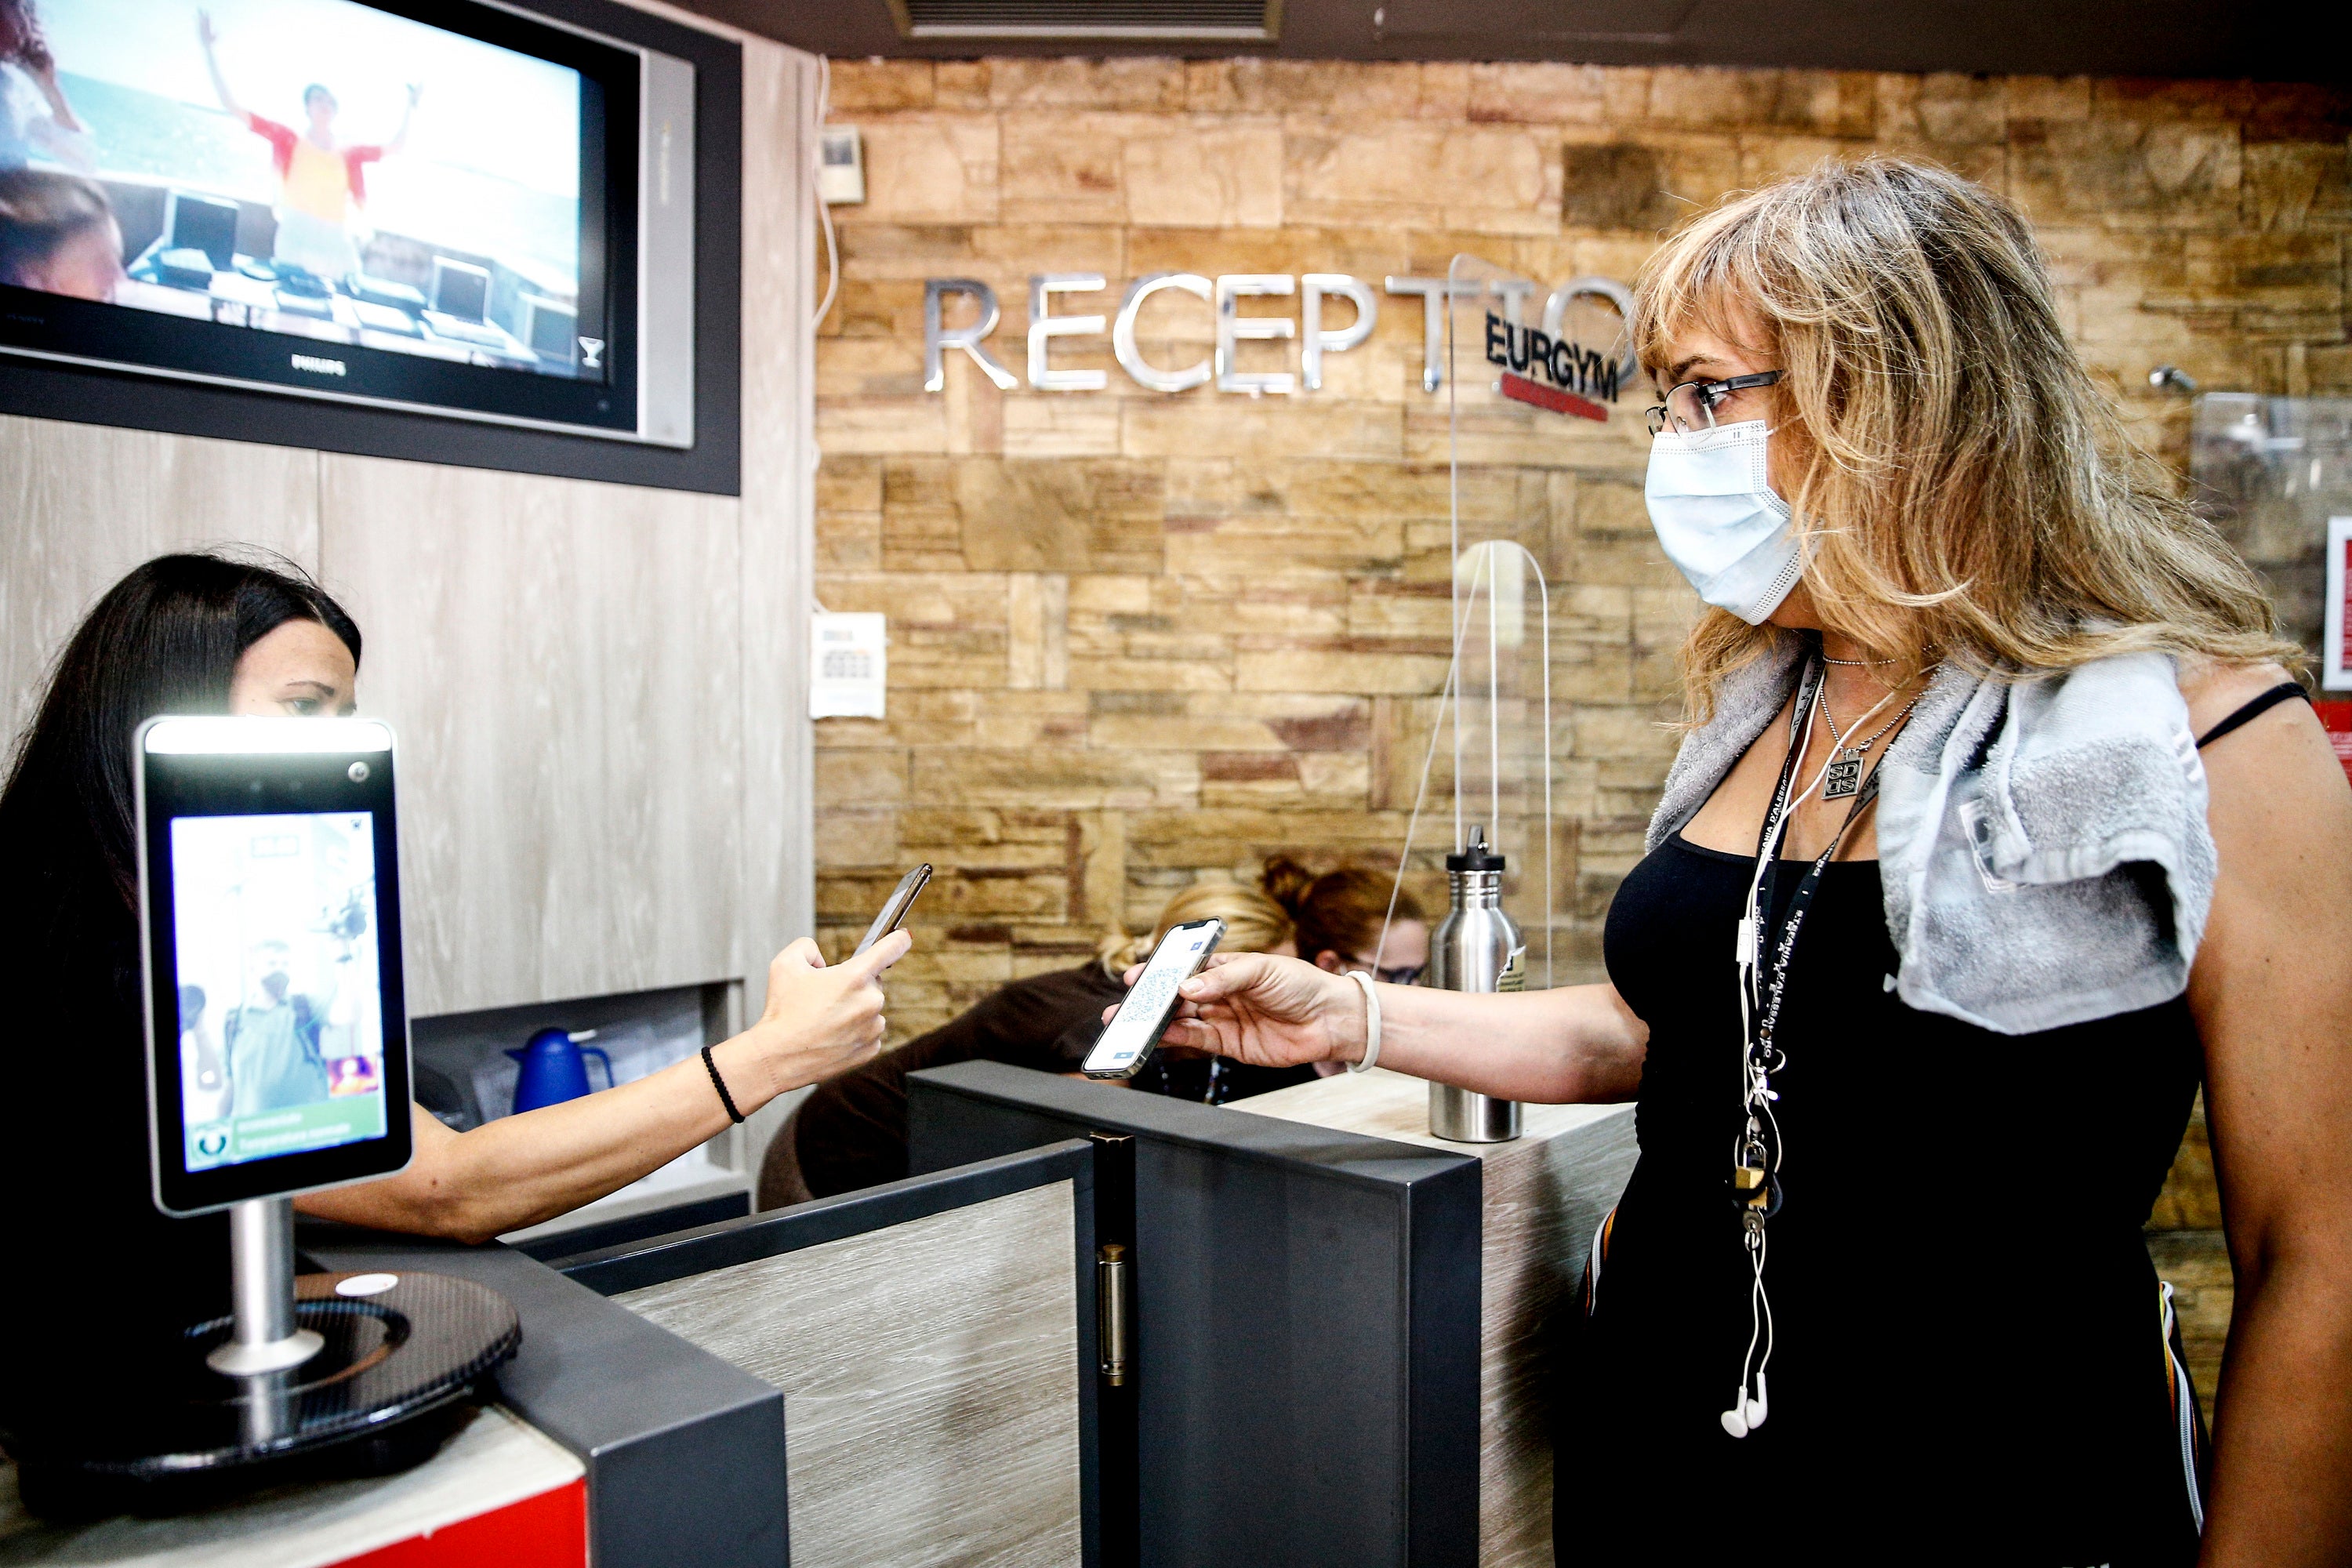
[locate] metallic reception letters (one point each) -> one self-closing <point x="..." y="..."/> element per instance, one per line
<point x="937" y="338"/>
<point x="1511" y="343"/>
<point x="1122" y="333"/>
<point x="1232" y="327"/>
<point x="1044" y="326"/>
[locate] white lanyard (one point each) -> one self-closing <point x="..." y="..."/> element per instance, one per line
<point x="1756" y="1160"/>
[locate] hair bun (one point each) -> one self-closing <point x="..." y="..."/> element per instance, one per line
<point x="1286" y="882"/>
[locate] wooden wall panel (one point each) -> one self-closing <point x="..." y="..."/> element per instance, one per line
<point x="560" y="660"/>
<point x="82" y="504"/>
<point x="778" y="94"/>
<point x="929" y="1372"/>
<point x="779" y="875"/>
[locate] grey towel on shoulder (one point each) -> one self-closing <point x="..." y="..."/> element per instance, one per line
<point x="2043" y="844"/>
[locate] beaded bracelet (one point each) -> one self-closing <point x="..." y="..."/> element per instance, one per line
<point x="719" y="1084"/>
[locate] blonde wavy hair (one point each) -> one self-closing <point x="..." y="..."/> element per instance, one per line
<point x="1963" y="489"/>
<point x="1253" y="923"/>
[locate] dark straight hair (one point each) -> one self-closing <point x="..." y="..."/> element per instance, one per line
<point x="164" y="639"/>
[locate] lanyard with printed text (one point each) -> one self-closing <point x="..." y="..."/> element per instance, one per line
<point x="1756" y="1174"/>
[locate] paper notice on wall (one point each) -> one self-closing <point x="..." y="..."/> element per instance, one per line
<point x="2334" y="675"/>
<point x="848" y="661"/>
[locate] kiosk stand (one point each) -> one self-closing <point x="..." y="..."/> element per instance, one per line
<point x="264" y="1338"/>
<point x="278" y="1064"/>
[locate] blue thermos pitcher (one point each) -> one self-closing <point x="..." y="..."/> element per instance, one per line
<point x="554" y="1069"/>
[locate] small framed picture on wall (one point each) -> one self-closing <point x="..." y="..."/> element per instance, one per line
<point x="2336" y="672"/>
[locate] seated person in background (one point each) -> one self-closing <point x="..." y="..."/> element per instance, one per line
<point x="1339" y="916"/>
<point x="1337" y="921"/>
<point x="852" y="1132"/>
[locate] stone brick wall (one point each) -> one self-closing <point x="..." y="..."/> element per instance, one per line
<point x="1137" y="639"/>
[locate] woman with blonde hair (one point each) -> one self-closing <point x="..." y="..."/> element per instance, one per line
<point x="1995" y="829"/>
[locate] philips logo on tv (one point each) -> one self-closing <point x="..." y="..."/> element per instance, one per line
<point x="314" y="363"/>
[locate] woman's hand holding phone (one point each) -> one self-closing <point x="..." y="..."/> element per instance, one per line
<point x="1266" y="1010"/>
<point x="821" y="1019"/>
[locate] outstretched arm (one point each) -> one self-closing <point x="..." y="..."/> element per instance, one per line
<point x="1580" y="1044"/>
<point x="407" y="118"/>
<point x="46" y="79"/>
<point x="519" y="1170"/>
<point x="208" y="36"/>
<point x="2272" y="993"/>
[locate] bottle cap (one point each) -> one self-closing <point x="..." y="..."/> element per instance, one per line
<point x="1475" y="856"/>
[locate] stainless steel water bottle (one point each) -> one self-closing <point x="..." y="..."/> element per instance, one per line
<point x="1476" y="949"/>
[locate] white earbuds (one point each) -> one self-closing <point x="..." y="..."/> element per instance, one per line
<point x="1746" y="1414"/>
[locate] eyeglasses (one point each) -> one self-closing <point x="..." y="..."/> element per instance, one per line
<point x="1693" y="404"/>
<point x="1401" y="974"/>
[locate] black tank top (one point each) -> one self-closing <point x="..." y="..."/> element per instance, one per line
<point x="1971" y="1361"/>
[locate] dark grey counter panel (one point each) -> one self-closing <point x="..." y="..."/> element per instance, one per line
<point x="685" y="1454"/>
<point x="1308" y="1321"/>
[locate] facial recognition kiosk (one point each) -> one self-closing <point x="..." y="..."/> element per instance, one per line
<point x="278" y="1064"/>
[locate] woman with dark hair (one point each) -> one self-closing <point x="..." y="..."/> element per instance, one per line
<point x="1351" y="918"/>
<point x="201" y="634"/>
<point x="23" y="48"/>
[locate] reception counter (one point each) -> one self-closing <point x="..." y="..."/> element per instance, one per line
<point x="1329" y="1332"/>
<point x="1544" y="1195"/>
<point x="1341" y="1322"/>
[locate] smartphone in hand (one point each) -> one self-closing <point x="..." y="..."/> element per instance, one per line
<point x="895" y="907"/>
<point x="1127" y="1041"/>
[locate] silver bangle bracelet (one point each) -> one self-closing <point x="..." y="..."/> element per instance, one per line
<point x="1372" y="1022"/>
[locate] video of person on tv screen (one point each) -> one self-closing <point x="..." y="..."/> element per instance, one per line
<point x="317" y="168"/>
<point x="280" y="999"/>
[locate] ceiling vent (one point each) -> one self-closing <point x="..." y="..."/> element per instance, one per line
<point x="1509" y="28"/>
<point x="1139" y="21"/>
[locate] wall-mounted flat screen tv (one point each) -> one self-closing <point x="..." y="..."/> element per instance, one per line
<point x="441" y="206"/>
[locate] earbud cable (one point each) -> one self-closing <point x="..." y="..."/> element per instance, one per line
<point x="1754" y="1098"/>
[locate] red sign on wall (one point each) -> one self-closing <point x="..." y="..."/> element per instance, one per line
<point x="2338" y="717"/>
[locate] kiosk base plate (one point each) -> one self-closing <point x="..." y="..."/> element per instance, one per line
<point x="402" y="1355"/>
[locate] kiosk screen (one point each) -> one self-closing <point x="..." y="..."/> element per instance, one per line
<point x="280" y="1003"/>
<point x="277" y="1025"/>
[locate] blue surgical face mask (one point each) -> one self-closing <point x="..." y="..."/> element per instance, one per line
<point x="1718" y="519"/>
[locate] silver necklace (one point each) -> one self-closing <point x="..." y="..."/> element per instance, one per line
<point x="1842" y="778"/>
<point x="1858" y="663"/>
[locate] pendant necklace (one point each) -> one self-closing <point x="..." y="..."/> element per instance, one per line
<point x="1842" y="778"/>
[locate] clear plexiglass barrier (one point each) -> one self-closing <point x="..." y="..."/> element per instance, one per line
<point x="2275" y="475"/>
<point x="1534" y="372"/>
